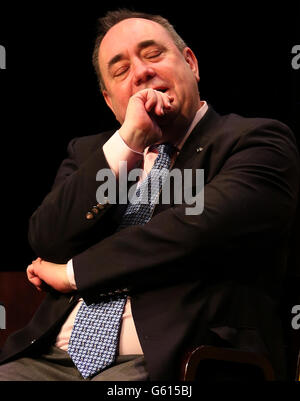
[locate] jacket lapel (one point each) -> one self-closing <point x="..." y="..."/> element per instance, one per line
<point x="197" y="140"/>
<point x="191" y="157"/>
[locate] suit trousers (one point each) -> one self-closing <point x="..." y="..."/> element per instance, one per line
<point x="56" y="365"/>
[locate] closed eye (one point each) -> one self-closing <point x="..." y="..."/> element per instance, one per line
<point x="153" y="54"/>
<point x="120" y="71"/>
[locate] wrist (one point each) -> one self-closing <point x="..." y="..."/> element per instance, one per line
<point x="129" y="147"/>
<point x="132" y="140"/>
<point x="70" y="274"/>
<point x="116" y="150"/>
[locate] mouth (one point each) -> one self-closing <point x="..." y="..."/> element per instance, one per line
<point x="163" y="90"/>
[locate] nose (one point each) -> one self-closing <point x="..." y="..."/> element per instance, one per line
<point x="143" y="72"/>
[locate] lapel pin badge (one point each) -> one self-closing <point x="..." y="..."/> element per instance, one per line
<point x="199" y="149"/>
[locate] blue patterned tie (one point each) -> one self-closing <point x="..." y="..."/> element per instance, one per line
<point x="94" y="338"/>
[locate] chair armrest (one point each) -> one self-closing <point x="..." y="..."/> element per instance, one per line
<point x="208" y="352"/>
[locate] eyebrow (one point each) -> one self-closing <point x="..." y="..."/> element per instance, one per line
<point x="142" y="45"/>
<point x="146" y="43"/>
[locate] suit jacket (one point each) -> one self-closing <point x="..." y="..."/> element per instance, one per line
<point x="211" y="278"/>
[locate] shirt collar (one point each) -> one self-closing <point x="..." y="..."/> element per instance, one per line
<point x="198" y="116"/>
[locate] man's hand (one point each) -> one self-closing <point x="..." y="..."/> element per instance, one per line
<point x="144" y="111"/>
<point x="41" y="272"/>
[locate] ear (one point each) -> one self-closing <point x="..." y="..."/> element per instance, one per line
<point x="192" y="61"/>
<point x="107" y="99"/>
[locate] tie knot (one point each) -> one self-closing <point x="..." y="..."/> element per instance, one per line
<point x="164" y="148"/>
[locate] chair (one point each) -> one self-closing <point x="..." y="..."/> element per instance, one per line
<point x="209" y="364"/>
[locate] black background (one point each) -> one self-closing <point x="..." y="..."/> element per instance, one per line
<point x="49" y="92"/>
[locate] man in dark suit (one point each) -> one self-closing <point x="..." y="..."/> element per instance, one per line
<point x="212" y="277"/>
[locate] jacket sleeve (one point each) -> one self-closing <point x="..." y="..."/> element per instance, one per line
<point x="249" y="205"/>
<point x="58" y="228"/>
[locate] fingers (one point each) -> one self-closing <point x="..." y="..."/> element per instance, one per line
<point x="46" y="275"/>
<point x="33" y="277"/>
<point x="157" y="101"/>
<point x="145" y="111"/>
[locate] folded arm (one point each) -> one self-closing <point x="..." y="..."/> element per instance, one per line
<point x="248" y="210"/>
<point x="249" y="202"/>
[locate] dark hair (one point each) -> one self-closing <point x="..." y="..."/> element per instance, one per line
<point x="114" y="17"/>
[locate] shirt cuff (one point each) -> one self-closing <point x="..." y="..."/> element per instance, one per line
<point x="116" y="150"/>
<point x="70" y="274"/>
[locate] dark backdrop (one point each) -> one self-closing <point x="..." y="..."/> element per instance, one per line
<point x="49" y="93"/>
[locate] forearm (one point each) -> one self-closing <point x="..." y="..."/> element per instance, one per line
<point x="173" y="246"/>
<point x="248" y="205"/>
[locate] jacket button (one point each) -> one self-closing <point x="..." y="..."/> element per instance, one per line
<point x="89" y="216"/>
<point x="33" y="341"/>
<point x="102" y="205"/>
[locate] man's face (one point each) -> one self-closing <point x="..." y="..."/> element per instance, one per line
<point x="136" y="54"/>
